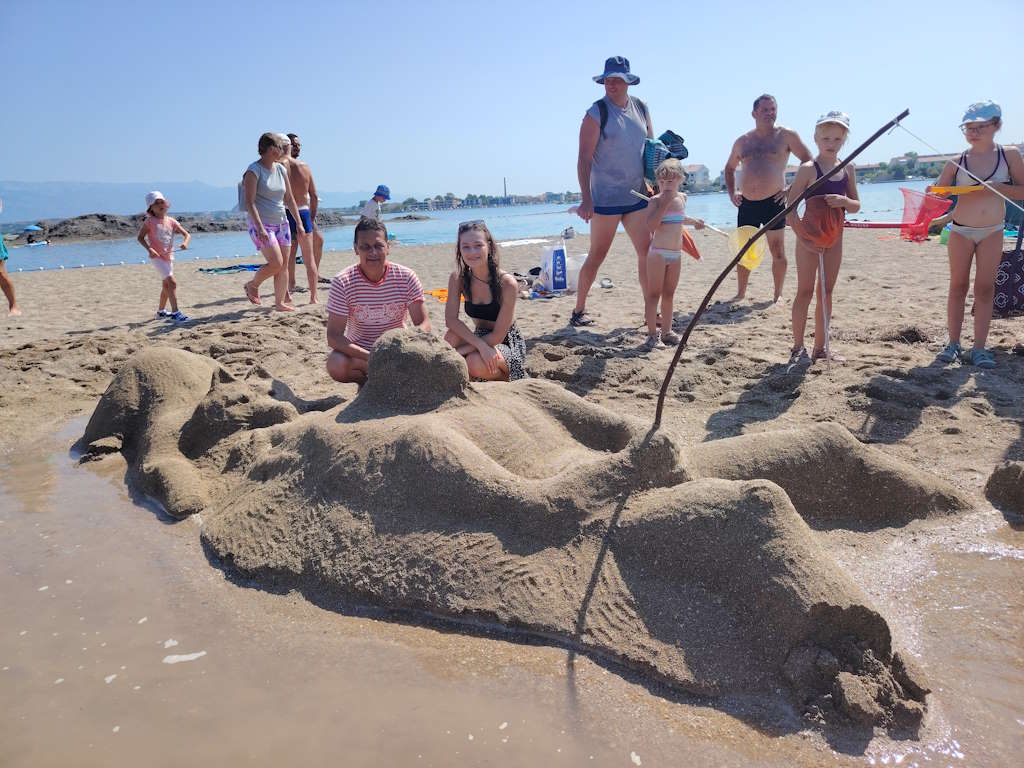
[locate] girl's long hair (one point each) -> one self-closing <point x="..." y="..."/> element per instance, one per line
<point x="493" y="261"/>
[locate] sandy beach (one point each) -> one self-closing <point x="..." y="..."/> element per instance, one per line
<point x="942" y="583"/>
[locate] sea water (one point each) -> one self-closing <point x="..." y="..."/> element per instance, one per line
<point x="880" y="202"/>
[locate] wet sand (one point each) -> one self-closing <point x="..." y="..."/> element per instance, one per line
<point x="102" y="595"/>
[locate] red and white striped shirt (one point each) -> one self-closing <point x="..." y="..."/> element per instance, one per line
<point x="372" y="308"/>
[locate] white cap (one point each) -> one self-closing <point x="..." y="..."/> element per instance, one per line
<point x="835" y="116"/>
<point x="152" y="197"/>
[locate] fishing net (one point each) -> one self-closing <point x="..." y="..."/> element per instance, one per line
<point x="738" y="238"/>
<point x="820" y="226"/>
<point x="918" y="211"/>
<point x="689" y="246"/>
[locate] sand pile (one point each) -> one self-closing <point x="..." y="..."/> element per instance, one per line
<point x="1005" y="486"/>
<point x="523" y="505"/>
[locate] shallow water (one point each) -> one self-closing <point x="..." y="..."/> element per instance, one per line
<point x="121" y="644"/>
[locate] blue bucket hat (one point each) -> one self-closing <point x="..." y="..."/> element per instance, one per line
<point x="981" y="112"/>
<point x="383" y="191"/>
<point x="617" y="66"/>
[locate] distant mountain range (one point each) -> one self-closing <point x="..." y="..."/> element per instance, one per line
<point x="26" y="201"/>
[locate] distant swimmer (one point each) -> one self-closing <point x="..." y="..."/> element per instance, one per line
<point x="304" y="191"/>
<point x="367" y="299"/>
<point x="761" y="156"/>
<point x="610" y="168"/>
<point x="371" y="209"/>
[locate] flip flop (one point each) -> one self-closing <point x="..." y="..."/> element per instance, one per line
<point x="606" y="282"/>
<point x="252" y="295"/>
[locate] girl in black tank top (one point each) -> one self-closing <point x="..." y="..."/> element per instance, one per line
<point x="493" y="348"/>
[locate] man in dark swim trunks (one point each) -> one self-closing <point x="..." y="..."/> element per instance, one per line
<point x="301" y="179"/>
<point x="761" y="156"/>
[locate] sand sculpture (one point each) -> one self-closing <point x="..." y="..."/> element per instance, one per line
<point x="522" y="505"/>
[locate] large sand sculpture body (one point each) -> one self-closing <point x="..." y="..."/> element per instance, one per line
<point x="525" y="506"/>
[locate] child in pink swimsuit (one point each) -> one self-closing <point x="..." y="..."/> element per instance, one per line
<point x="157" y="236"/>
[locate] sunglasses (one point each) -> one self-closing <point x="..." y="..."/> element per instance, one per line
<point x="463" y="225"/>
<point x="976" y="127"/>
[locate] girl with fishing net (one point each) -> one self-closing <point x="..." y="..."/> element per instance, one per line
<point x="977" y="227"/>
<point x="819" y="248"/>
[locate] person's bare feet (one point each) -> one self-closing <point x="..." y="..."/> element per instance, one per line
<point x="314" y="300"/>
<point x="14" y="311"/>
<point x="285" y="308"/>
<point x="252" y="293"/>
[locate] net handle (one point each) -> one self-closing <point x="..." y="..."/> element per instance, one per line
<point x="780" y="216"/>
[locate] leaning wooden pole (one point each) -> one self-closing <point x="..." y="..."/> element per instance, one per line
<point x="780" y="216"/>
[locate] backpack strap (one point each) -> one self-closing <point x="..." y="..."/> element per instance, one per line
<point x="602" y="108"/>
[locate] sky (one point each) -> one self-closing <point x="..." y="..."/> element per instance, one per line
<point x="443" y="97"/>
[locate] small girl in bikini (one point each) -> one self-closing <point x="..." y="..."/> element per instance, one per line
<point x="157" y="236"/>
<point x="494" y="348"/>
<point x="665" y="219"/>
<point x="830" y="133"/>
<point x="977" y="228"/>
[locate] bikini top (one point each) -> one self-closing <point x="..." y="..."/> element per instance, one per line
<point x="1001" y="174"/>
<point x="673" y="218"/>
<point x="487" y="312"/>
<point x="830" y="187"/>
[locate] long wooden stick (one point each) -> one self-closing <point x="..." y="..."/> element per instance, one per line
<point x="780" y="216"/>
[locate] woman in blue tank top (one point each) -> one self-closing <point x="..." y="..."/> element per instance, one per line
<point x="610" y="166"/>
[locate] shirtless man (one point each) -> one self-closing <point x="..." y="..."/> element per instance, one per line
<point x="763" y="153"/>
<point x="301" y="179"/>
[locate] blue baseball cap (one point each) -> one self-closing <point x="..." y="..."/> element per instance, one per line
<point x="617" y="66"/>
<point x="383" y="191"/>
<point x="981" y="112"/>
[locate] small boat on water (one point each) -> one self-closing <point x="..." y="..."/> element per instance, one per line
<point x="37" y="244"/>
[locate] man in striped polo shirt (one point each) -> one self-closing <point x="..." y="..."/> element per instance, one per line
<point x="367" y="299"/>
